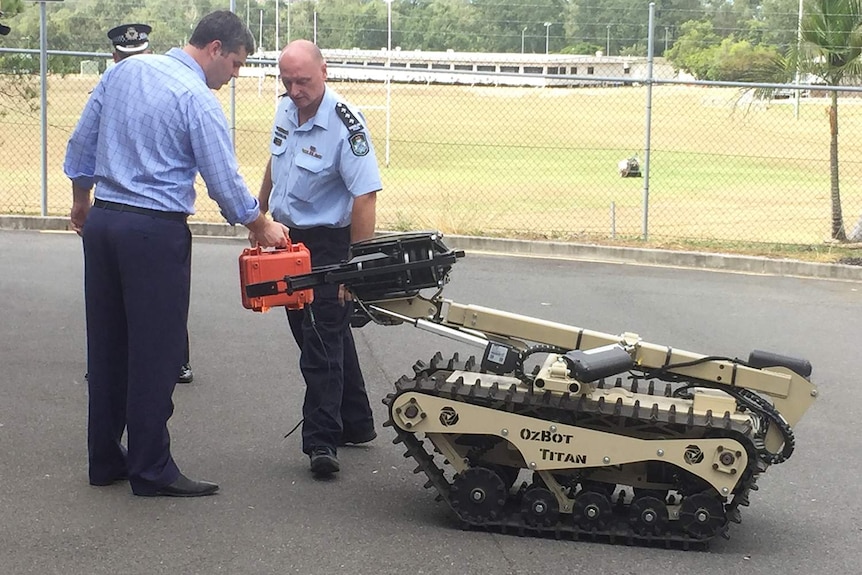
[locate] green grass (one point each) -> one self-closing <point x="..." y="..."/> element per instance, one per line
<point x="541" y="163"/>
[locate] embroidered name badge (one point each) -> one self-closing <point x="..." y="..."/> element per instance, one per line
<point x="358" y="144"/>
<point x="311" y="151"/>
<point x="280" y="136"/>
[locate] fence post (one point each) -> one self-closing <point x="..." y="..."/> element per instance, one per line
<point x="648" y="128"/>
<point x="43" y="88"/>
<point x="233" y="94"/>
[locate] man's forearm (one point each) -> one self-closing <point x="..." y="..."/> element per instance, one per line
<point x="364" y="217"/>
<point x="265" y="188"/>
<point x="80" y="194"/>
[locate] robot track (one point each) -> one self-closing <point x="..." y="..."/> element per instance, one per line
<point x="686" y="514"/>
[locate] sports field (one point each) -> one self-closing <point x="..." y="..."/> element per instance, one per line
<point x="534" y="162"/>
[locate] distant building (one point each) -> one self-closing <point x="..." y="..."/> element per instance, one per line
<point x="475" y="68"/>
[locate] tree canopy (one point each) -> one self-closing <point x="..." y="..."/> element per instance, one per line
<point x="732" y="29"/>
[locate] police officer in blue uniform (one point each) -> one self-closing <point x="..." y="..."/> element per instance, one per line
<point x="322" y="182"/>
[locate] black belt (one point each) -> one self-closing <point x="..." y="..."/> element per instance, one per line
<point x="114" y="206"/>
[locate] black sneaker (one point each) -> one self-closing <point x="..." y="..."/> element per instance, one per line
<point x="357" y="439"/>
<point x="323" y="461"/>
<point x="186" y="375"/>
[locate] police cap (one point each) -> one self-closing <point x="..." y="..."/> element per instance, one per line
<point x="130" y="38"/>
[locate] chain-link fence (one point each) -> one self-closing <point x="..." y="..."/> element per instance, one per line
<point x="530" y="161"/>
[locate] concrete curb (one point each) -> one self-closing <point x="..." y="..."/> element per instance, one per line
<point x="561" y="250"/>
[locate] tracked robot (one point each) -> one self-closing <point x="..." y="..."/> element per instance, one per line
<point x="551" y="429"/>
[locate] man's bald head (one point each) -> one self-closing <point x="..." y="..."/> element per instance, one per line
<point x="302" y="49"/>
<point x="303" y="73"/>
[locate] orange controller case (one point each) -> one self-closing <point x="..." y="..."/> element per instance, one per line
<point x="258" y="265"/>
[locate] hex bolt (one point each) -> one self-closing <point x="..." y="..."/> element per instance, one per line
<point x="648" y="517"/>
<point x="727" y="458"/>
<point x="592" y="511"/>
<point x="702" y="516"/>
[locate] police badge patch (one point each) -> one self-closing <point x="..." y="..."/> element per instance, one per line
<point x="358" y="144"/>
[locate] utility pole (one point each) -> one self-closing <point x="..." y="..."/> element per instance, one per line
<point x="608" y="50"/>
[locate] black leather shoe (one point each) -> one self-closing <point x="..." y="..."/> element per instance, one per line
<point x="324" y="461"/>
<point x="357" y="439"/>
<point x="186" y="375"/>
<point x="185" y="487"/>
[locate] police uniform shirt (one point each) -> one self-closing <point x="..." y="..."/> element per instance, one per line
<point x="320" y="167"/>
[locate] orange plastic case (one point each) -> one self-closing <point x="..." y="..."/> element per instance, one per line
<point x="258" y="265"/>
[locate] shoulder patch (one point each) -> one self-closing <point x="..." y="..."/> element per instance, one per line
<point x="349" y="118"/>
<point x="358" y="144"/>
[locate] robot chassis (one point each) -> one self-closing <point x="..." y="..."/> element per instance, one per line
<point x="615" y="439"/>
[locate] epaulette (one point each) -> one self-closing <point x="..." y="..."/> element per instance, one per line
<point x="349" y="118"/>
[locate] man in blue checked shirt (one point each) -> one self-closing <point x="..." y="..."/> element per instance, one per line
<point x="322" y="182"/>
<point x="150" y="126"/>
<point x="129" y="40"/>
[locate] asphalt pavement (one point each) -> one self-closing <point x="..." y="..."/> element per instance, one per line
<point x="374" y="518"/>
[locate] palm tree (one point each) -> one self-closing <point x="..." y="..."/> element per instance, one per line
<point x="831" y="48"/>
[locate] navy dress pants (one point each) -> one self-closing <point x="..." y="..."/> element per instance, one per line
<point x="137" y="271"/>
<point x="336" y="402"/>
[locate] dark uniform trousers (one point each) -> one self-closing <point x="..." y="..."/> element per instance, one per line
<point x="336" y="403"/>
<point x="137" y="271"/>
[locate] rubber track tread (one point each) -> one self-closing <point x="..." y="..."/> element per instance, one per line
<point x="519" y="400"/>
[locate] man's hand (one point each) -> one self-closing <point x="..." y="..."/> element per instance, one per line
<point x="344" y="294"/>
<point x="268" y="233"/>
<point x="80" y="208"/>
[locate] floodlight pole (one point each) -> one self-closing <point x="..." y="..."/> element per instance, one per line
<point x="547" y="36"/>
<point x="524" y="31"/>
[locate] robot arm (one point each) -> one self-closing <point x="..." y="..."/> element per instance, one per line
<point x="388" y="274"/>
